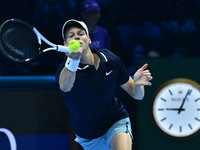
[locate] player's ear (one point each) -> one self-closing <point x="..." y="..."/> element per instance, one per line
<point x="64" y="43"/>
<point x="90" y="42"/>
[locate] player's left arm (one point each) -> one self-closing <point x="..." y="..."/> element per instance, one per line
<point x="135" y="87"/>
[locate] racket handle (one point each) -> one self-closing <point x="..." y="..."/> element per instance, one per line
<point x="62" y="48"/>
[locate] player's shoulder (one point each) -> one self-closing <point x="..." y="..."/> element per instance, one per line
<point x="107" y="52"/>
<point x="109" y="55"/>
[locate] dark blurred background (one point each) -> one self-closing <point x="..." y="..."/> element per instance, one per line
<point x="137" y="28"/>
<point x="150" y="30"/>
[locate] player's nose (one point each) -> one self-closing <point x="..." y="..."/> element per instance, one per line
<point x="77" y="37"/>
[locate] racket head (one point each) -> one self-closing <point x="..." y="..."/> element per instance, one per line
<point x="18" y="41"/>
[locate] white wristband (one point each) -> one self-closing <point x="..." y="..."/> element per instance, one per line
<point x="72" y="64"/>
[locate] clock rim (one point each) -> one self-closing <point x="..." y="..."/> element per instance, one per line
<point x="158" y="89"/>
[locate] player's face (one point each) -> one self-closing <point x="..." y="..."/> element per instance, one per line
<point x="79" y="34"/>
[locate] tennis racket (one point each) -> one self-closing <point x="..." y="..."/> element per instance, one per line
<point x="21" y="42"/>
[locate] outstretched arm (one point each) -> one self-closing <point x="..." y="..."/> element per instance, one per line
<point x="67" y="77"/>
<point x="135" y="87"/>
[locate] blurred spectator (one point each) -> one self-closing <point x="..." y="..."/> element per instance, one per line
<point x="180" y="33"/>
<point x="137" y="33"/>
<point x="48" y="17"/>
<point x="91" y="13"/>
<point x="179" y="39"/>
<point x="137" y="41"/>
<point x="136" y="28"/>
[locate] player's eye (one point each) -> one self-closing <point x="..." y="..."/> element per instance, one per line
<point x="70" y="35"/>
<point x="81" y="33"/>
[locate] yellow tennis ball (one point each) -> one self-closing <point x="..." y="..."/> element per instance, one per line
<point x="74" y="45"/>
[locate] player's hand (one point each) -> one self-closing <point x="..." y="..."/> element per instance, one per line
<point x="75" y="55"/>
<point x="142" y="76"/>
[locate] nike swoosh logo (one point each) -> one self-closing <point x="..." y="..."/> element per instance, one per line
<point x="107" y="73"/>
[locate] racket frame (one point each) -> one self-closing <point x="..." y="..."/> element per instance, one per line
<point x="40" y="38"/>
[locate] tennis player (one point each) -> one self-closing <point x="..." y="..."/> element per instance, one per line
<point x="88" y="80"/>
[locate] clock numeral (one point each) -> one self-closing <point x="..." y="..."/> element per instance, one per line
<point x="170" y="126"/>
<point x="170" y="92"/>
<point x="160" y="109"/>
<point x="180" y="129"/>
<point x="163" y="119"/>
<point x="198" y="109"/>
<point x="197" y="99"/>
<point x="190" y="126"/>
<point x="163" y="99"/>
<point x="197" y="119"/>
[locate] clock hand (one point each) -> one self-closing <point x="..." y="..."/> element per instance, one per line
<point x="184" y="99"/>
<point x="176" y="109"/>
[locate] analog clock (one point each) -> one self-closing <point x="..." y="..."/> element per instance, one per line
<point x="176" y="108"/>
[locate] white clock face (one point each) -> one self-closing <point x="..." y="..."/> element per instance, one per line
<point x="176" y="109"/>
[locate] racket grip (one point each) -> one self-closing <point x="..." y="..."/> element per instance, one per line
<point x="62" y="48"/>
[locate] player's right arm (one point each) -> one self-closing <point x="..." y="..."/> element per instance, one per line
<point x="67" y="75"/>
<point x="66" y="79"/>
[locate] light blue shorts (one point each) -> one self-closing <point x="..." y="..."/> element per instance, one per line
<point x="103" y="141"/>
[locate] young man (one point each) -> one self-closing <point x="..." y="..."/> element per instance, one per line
<point x="88" y="81"/>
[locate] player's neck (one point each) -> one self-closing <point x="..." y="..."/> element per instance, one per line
<point x="90" y="58"/>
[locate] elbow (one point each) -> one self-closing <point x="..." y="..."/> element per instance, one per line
<point x="65" y="88"/>
<point x="66" y="81"/>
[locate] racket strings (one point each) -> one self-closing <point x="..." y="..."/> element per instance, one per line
<point x="19" y="41"/>
<point x="9" y="44"/>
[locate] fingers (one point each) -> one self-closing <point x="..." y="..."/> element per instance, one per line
<point x="144" y="66"/>
<point x="150" y="78"/>
<point x="147" y="74"/>
<point x="146" y="80"/>
<point x="147" y="83"/>
<point x="143" y="83"/>
<point x="142" y="76"/>
<point x="74" y="55"/>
